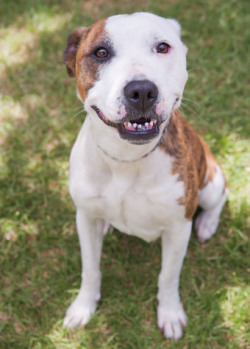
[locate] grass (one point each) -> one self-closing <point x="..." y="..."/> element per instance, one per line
<point x="39" y="251"/>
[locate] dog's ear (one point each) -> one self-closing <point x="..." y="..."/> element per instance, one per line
<point x="73" y="42"/>
<point x="175" y="25"/>
<point x="177" y="28"/>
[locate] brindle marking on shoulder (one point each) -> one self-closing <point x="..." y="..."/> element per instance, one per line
<point x="211" y="163"/>
<point x="193" y="162"/>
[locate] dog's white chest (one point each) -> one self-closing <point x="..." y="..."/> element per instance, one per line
<point x="139" y="198"/>
<point x="142" y="209"/>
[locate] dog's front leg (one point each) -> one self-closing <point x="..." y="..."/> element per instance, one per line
<point x="171" y="316"/>
<point x="90" y="231"/>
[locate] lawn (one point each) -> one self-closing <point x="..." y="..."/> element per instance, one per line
<point x="39" y="249"/>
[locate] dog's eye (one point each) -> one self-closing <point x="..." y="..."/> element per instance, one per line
<point x="163" y="48"/>
<point x="101" y="52"/>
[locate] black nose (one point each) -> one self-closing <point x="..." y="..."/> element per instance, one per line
<point x="141" y="94"/>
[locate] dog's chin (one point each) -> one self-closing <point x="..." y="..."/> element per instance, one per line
<point x="140" y="130"/>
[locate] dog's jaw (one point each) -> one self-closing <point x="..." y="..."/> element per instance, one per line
<point x="139" y="130"/>
<point x="112" y="145"/>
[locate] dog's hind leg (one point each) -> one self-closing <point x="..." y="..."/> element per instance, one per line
<point x="211" y="200"/>
<point x="90" y="231"/>
<point x="171" y="315"/>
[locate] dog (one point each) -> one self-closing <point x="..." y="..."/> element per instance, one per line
<point x="137" y="164"/>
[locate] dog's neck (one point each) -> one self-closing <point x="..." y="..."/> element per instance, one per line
<point x="126" y="161"/>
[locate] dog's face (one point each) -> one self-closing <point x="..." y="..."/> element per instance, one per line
<point x="131" y="72"/>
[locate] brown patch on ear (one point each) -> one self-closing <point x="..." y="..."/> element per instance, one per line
<point x="193" y="160"/>
<point x="73" y="41"/>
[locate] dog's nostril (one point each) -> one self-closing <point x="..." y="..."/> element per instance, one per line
<point x="135" y="96"/>
<point x="151" y="96"/>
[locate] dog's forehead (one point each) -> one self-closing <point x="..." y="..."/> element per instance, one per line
<point x="141" y="28"/>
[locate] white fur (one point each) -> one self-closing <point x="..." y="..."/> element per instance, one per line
<point x="135" y="197"/>
<point x="211" y="200"/>
<point x="131" y="186"/>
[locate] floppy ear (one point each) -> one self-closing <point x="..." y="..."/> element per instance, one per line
<point x="73" y="42"/>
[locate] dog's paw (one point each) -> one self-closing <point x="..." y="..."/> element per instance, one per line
<point x="78" y="314"/>
<point x="206" y="225"/>
<point x="172" y="322"/>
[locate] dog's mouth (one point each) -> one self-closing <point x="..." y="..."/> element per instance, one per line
<point x="137" y="131"/>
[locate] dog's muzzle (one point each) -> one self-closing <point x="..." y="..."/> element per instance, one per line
<point x="141" y="123"/>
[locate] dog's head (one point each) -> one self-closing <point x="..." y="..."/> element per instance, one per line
<point x="131" y="72"/>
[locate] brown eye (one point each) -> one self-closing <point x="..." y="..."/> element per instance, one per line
<point x="101" y="52"/>
<point x="163" y="48"/>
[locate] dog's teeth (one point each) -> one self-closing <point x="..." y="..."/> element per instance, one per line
<point x="129" y="124"/>
<point x="135" y="124"/>
<point x="139" y="126"/>
<point x="146" y="124"/>
<point x="151" y="123"/>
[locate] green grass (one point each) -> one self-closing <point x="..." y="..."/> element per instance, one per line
<point x="39" y="250"/>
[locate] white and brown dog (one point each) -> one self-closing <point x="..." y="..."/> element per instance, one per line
<point x="137" y="164"/>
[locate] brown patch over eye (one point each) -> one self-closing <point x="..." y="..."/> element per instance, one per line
<point x="163" y="48"/>
<point x="86" y="66"/>
<point x="101" y="52"/>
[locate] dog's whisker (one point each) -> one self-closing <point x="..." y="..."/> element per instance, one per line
<point x="181" y="110"/>
<point x="77" y="113"/>
<point x="77" y="108"/>
<point x="194" y="68"/>
<point x="186" y="99"/>
<point x="74" y="116"/>
<point x="190" y="109"/>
